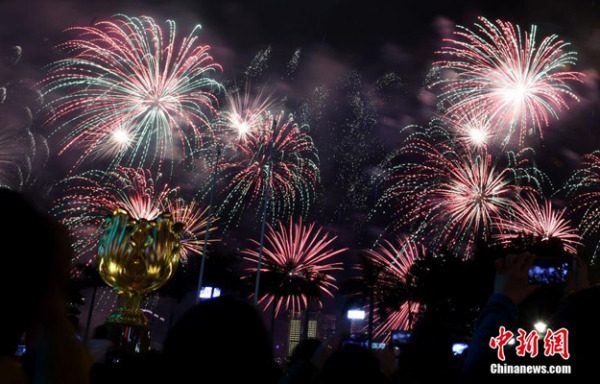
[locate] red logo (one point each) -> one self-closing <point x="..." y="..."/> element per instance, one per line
<point x="555" y="343"/>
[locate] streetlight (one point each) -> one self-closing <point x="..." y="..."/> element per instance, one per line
<point x="540" y="327"/>
<point x="264" y="215"/>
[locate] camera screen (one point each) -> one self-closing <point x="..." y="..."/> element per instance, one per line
<point x="400" y="337"/>
<point x="21" y="349"/>
<point x="549" y="271"/>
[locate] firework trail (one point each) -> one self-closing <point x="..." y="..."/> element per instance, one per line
<point x="583" y="189"/>
<point x="280" y="159"/>
<point x="529" y="217"/>
<point x="393" y="261"/>
<point x="193" y="220"/>
<point x="130" y="91"/>
<point x="87" y="199"/>
<point x="519" y="84"/>
<point x="449" y="195"/>
<point x="17" y="150"/>
<point x="296" y="265"/>
<point x="259" y="64"/>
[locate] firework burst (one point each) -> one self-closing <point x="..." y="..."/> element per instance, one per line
<point x="126" y="75"/>
<point x="193" y="220"/>
<point x="393" y="261"/>
<point x="470" y="126"/>
<point x="519" y="84"/>
<point x="296" y="265"/>
<point x="448" y="195"/>
<point x="529" y="217"/>
<point x="89" y="198"/>
<point x="279" y="160"/>
<point x="243" y="113"/>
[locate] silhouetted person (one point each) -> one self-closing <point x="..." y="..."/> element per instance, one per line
<point x="351" y="364"/>
<point x="34" y="269"/>
<point x="222" y="340"/>
<point x="579" y="315"/>
<point x="300" y="368"/>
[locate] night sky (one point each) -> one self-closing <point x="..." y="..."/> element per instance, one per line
<point x="347" y="47"/>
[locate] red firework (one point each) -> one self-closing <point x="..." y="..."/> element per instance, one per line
<point x="296" y="265"/>
<point x="529" y="217"/>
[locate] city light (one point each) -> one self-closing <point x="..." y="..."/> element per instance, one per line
<point x="209" y="292"/>
<point x="356" y="314"/>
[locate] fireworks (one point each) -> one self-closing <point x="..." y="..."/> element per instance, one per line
<point x="471" y="126"/>
<point x="244" y="113"/>
<point x="280" y="159"/>
<point x="584" y="190"/>
<point x="529" y="217"/>
<point x="499" y="69"/>
<point x="193" y="220"/>
<point x="89" y="198"/>
<point x="126" y="75"/>
<point x="296" y="263"/>
<point x="23" y="152"/>
<point x="393" y="263"/>
<point x="17" y="149"/>
<point x="451" y="196"/>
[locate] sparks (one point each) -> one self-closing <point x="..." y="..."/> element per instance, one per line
<point x="298" y="260"/>
<point x="518" y="83"/>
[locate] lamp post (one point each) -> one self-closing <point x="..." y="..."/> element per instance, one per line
<point x="208" y="222"/>
<point x="264" y="215"/>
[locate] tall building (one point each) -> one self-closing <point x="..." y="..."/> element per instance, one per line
<point x="295" y="331"/>
<point x="319" y="326"/>
<point x="327" y="326"/>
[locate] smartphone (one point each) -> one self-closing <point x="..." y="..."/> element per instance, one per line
<point x="355" y="339"/>
<point x="21" y="349"/>
<point x="548" y="271"/>
<point x="400" y="337"/>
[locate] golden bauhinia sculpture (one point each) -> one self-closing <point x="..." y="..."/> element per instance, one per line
<point x="136" y="257"/>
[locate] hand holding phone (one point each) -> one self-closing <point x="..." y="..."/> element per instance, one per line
<point x="512" y="276"/>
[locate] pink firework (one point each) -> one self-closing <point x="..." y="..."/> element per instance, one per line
<point x="517" y="83"/>
<point x="193" y="220"/>
<point x="393" y="262"/>
<point x="89" y="198"/>
<point x="279" y="161"/>
<point x="448" y="195"/>
<point x="296" y="265"/>
<point x="529" y="217"/>
<point x="126" y="75"/>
